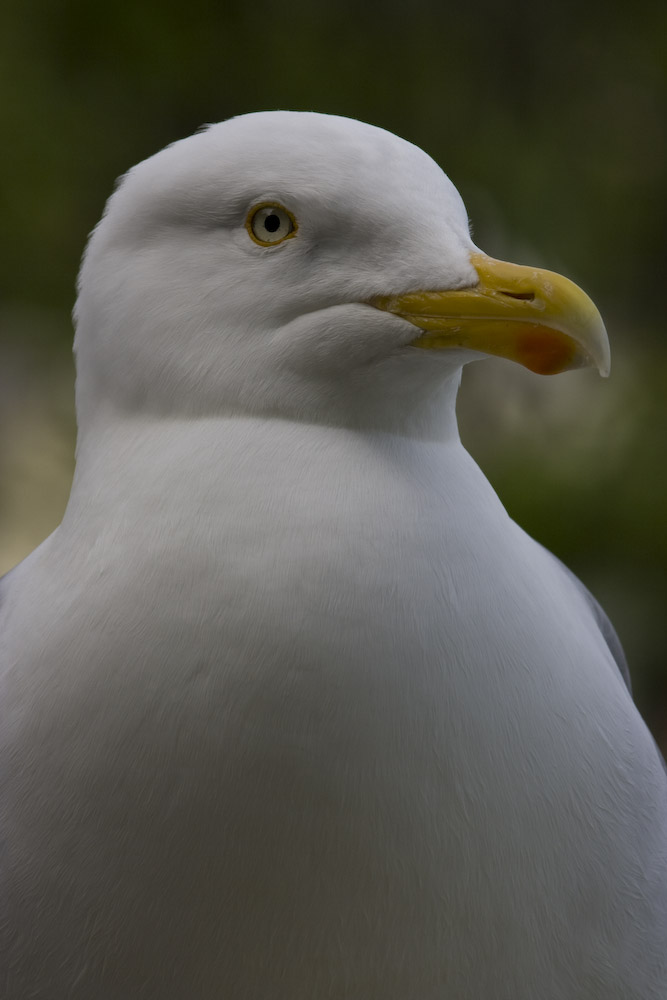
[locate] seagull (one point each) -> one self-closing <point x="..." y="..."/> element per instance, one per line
<point x="291" y="708"/>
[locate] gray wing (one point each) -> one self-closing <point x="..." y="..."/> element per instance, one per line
<point x="608" y="632"/>
<point x="4" y="590"/>
<point x="4" y="580"/>
<point x="605" y="626"/>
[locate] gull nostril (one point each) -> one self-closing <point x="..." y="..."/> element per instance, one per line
<point x="526" y="296"/>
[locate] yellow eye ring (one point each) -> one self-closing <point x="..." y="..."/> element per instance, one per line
<point x="270" y="223"/>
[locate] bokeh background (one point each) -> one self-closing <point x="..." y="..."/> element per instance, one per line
<point x="550" y="118"/>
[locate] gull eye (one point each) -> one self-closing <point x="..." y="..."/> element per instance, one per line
<point x="269" y="224"/>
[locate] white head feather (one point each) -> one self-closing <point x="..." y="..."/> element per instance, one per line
<point x="181" y="313"/>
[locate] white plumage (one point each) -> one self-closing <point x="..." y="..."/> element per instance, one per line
<point x="291" y="709"/>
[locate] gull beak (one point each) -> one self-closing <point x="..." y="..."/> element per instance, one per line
<point x="537" y="318"/>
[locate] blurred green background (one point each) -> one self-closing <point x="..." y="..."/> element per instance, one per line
<point x="551" y="120"/>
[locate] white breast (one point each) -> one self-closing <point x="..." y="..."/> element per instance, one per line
<point x="338" y="727"/>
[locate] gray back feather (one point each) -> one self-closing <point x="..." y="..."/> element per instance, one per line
<point x="608" y="633"/>
<point x="605" y="626"/>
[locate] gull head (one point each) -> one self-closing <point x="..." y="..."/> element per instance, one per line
<point x="307" y="266"/>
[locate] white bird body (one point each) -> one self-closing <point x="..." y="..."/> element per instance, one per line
<point x="293" y="709"/>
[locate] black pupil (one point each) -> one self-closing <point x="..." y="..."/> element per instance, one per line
<point x="271" y="223"/>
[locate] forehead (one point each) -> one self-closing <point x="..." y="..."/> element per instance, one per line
<point x="321" y="159"/>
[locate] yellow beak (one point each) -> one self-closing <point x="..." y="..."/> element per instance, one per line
<point x="537" y="318"/>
